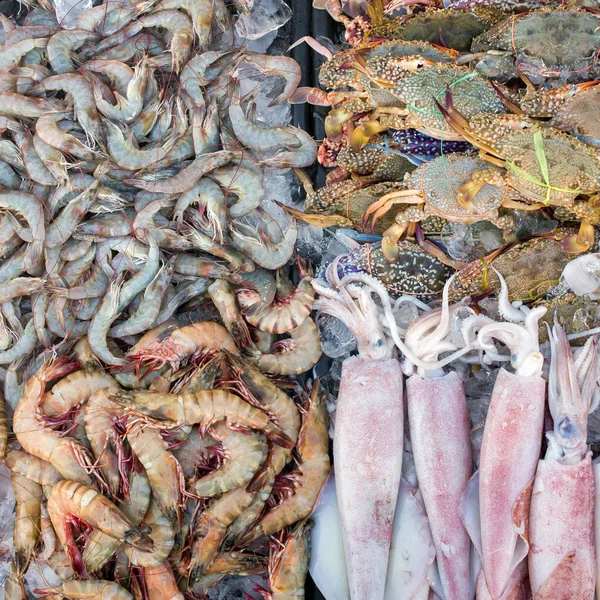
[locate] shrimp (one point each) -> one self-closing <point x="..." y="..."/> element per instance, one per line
<point x="202" y="70"/>
<point x="303" y="155"/>
<point x="86" y="590"/>
<point x="162" y="534"/>
<point x="28" y="496"/>
<point x="3" y="428"/>
<point x="19" y="287"/>
<point x="33" y="468"/>
<point x="29" y="425"/>
<point x="163" y="470"/>
<point x="202" y="408"/>
<point x="313" y="449"/>
<point x="63" y="401"/>
<point x="201" y="13"/>
<point x="256" y="244"/>
<point x="149" y="307"/>
<point x="183" y="343"/>
<point x="243" y="453"/>
<point x="238" y="529"/>
<point x="244" y="182"/>
<point x="224" y="299"/>
<point x="277" y="66"/>
<point x="20" y="106"/>
<point x="210" y="199"/>
<point x="127" y="156"/>
<point x="212" y="527"/>
<point x="48" y="129"/>
<point x="101" y="322"/>
<point x="128" y="108"/>
<point x="84" y="104"/>
<point x="260" y="138"/>
<point x="30" y="208"/>
<point x="70" y="502"/>
<point x="284" y="314"/>
<point x="101" y="419"/>
<point x="188" y="176"/>
<point x="288" y="566"/>
<point x="62" y="43"/>
<point x="295" y="355"/>
<point x="119" y="73"/>
<point x="257" y="388"/>
<point x="100" y="547"/>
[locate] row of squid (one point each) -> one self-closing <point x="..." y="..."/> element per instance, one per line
<point x="418" y="510"/>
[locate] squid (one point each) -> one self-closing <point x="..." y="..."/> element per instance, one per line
<point x="562" y="559"/>
<point x="511" y="443"/>
<point x="368" y="437"/>
<point x="439" y="427"/>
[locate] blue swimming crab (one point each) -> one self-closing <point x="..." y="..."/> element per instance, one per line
<point x="417" y="94"/>
<point x="433" y="189"/>
<point x="549" y="45"/>
<point x="543" y="165"/>
<point x="416" y="273"/>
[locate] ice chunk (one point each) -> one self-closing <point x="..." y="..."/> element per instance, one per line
<point x="68" y="11"/>
<point x="478" y="389"/>
<point x="238" y="588"/>
<point x="336" y="339"/>
<point x="582" y="275"/>
<point x="265" y="16"/>
<point x="406" y="313"/>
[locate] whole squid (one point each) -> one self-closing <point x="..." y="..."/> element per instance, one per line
<point x="367" y="446"/>
<point x="562" y="557"/>
<point x="440" y="435"/>
<point x="511" y="444"/>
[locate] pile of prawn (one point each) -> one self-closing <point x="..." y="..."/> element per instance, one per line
<point x="150" y="329"/>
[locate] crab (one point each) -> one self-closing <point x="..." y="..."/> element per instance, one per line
<point x="530" y="267"/>
<point x="418" y="92"/>
<point x="548" y="45"/>
<point x="416" y="273"/>
<point x="387" y="156"/>
<point x="544" y="165"/>
<point x="576" y="314"/>
<point x="573" y="108"/>
<point x="449" y="27"/>
<point x="434" y="189"/>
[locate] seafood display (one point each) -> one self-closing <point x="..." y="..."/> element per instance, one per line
<point x="214" y="391"/>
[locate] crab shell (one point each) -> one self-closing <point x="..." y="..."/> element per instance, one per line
<point x="337" y="72"/>
<point x="439" y="181"/>
<point x="415" y="272"/>
<point x="580" y="116"/>
<point x="573" y="167"/>
<point x="449" y="27"/>
<point x="471" y="95"/>
<point x="547" y="44"/>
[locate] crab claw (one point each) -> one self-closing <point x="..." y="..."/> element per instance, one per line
<point x="312" y="95"/>
<point x="580" y="242"/>
<point x="364" y="132"/>
<point x="389" y="243"/>
<point x="334" y="122"/>
<point x="321" y="221"/>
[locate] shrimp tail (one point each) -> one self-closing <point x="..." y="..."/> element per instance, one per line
<point x="275" y="434"/>
<point x="261" y="479"/>
<point x="138" y="538"/>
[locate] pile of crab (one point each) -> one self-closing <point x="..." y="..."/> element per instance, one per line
<point x="479" y="119"/>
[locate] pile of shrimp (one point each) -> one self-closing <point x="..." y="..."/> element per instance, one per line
<point x="153" y="319"/>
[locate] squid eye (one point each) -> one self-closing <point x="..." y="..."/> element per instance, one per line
<point x="379" y="342"/>
<point x="567" y="428"/>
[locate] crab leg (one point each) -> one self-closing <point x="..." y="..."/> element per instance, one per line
<point x="509" y="454"/>
<point x="562" y="561"/>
